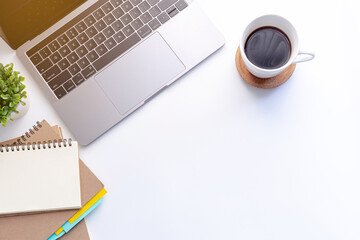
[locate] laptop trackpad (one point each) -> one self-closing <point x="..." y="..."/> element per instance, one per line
<point x="140" y="73"/>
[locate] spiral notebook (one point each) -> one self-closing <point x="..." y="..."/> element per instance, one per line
<point x="43" y="225"/>
<point x="34" y="134"/>
<point x="39" y="178"/>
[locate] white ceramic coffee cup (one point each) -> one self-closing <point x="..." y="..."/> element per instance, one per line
<point x="296" y="55"/>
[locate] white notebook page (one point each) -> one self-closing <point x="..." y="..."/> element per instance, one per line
<point x="45" y="179"/>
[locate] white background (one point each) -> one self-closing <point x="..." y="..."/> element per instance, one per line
<point x="214" y="158"/>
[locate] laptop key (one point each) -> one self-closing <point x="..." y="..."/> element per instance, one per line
<point x="45" y="52"/>
<point x="128" y="30"/>
<point x="91" y="32"/>
<point x="90" y="45"/>
<point x="100" y="25"/>
<point x="165" y="4"/>
<point x="163" y="18"/>
<point x="54" y="45"/>
<point x="155" y="11"/>
<point x="83" y="63"/>
<point x="146" y="17"/>
<point x="117" y="26"/>
<point x="109" y="19"/>
<point x="51" y="73"/>
<point x="98" y="14"/>
<point x="99" y="39"/>
<point x="153" y="2"/>
<point x="63" y="39"/>
<point x="126" y="19"/>
<point x="60" y="92"/>
<point x="81" y="51"/>
<point x="82" y="38"/>
<point x="126" y="6"/>
<point x="92" y="56"/>
<point x="116" y="3"/>
<point x="118" y="12"/>
<point x="55" y="57"/>
<point x="78" y="79"/>
<point x="110" y="43"/>
<point x="72" y="33"/>
<point x="73" y="44"/>
<point x="136" y="24"/>
<point x="181" y="5"/>
<point x="144" y="6"/>
<point x="80" y="27"/>
<point x="154" y="24"/>
<point x="108" y="32"/>
<point x="101" y="50"/>
<point x="89" y="21"/>
<point x="69" y="85"/>
<point x="107" y="8"/>
<point x="135" y="13"/>
<point x="59" y="80"/>
<point x="44" y="65"/>
<point x="72" y="57"/>
<point x="144" y="31"/>
<point x="74" y="69"/>
<point x="119" y="37"/>
<point x="172" y="11"/>
<point x="116" y="51"/>
<point x="135" y="2"/>
<point x="64" y="63"/>
<point x="88" y="72"/>
<point x="36" y="59"/>
<point x="64" y="51"/>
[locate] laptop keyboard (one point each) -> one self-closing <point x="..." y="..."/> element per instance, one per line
<point x="87" y="44"/>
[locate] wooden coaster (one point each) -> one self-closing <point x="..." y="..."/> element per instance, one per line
<point x="262" y="82"/>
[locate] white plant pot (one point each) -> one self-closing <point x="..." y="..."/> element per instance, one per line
<point x="22" y="109"/>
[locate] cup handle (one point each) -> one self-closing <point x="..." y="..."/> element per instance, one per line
<point x="304" y="57"/>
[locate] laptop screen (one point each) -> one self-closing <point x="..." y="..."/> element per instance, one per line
<point x="22" y="20"/>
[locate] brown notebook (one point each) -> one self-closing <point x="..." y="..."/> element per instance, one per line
<point x="80" y="232"/>
<point x="41" y="226"/>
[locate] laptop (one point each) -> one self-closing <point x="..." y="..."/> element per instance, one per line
<point x="97" y="61"/>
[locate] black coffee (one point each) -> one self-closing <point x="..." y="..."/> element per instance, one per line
<point x="268" y="48"/>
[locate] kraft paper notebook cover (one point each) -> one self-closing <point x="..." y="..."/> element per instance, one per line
<point x="41" y="226"/>
<point x="39" y="178"/>
<point x="80" y="232"/>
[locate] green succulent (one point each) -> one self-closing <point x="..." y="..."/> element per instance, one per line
<point x="11" y="92"/>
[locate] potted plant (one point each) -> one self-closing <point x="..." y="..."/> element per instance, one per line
<point x="12" y="94"/>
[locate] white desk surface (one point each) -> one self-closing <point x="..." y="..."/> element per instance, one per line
<point x="214" y="158"/>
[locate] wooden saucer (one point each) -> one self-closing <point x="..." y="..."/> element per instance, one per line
<point x="262" y="82"/>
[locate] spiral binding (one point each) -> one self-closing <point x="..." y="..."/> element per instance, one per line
<point x="29" y="133"/>
<point x="38" y="145"/>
